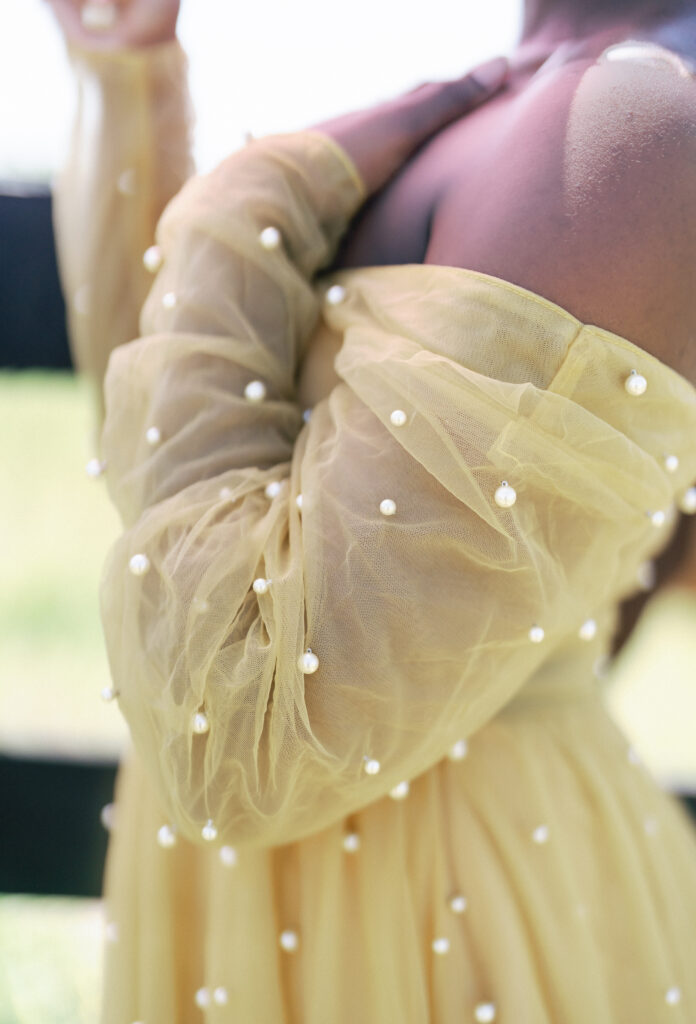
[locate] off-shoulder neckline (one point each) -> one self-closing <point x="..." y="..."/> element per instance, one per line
<point x="501" y="284"/>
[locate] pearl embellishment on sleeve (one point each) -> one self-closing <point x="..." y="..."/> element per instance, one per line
<point x="209" y="832"/>
<point x="200" y="723"/>
<point x="541" y="834"/>
<point x="166" y="836"/>
<point x="152" y="259"/>
<point x="220" y="996"/>
<point x="308" y="662"/>
<point x="458" y="751"/>
<point x="387" y="507"/>
<point x="588" y="630"/>
<point x="270" y="238"/>
<point x="505" y="496"/>
<point x="108" y="694"/>
<point x="228" y="856"/>
<point x="169" y="300"/>
<point x="351" y="842"/>
<point x="372" y="767"/>
<point x="335" y="294"/>
<point x="139" y="564"/>
<point x="671" y="463"/>
<point x="536" y="634"/>
<point x="202" y="998"/>
<point x="687" y="502"/>
<point x="673" y="996"/>
<point x="255" y="391"/>
<point x="289" y="940"/>
<point x="398" y="417"/>
<point x="658" y="518"/>
<point x="484" y="1013"/>
<point x="441" y="946"/>
<point x="298" y="501"/>
<point x="273" y="489"/>
<point x="400" y="790"/>
<point x="94" y="468"/>
<point x="261" y="586"/>
<point x="635" y="383"/>
<point x="458" y="904"/>
<point x="153" y="435"/>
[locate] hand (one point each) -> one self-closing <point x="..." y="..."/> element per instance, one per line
<point x="381" y="139"/>
<point x="117" y="25"/>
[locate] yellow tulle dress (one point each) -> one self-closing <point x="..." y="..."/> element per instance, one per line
<point x="373" y="780"/>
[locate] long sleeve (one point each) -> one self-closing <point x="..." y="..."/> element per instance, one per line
<point x="400" y="604"/>
<point x="130" y="152"/>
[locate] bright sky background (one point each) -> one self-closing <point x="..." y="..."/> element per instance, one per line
<point x="261" y="67"/>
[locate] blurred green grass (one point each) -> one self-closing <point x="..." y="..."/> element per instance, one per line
<point x="58" y="525"/>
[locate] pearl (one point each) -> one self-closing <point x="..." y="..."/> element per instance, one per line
<point x="169" y="300"/>
<point x="635" y="383"/>
<point x="646" y="575"/>
<point x="307" y="415"/>
<point x="541" y="834"/>
<point x="398" y="417"/>
<point x="152" y="259"/>
<point x="387" y="507"/>
<point x="95" y="468"/>
<point x="111" y="931"/>
<point x="372" y="767"/>
<point x="673" y="996"/>
<point x="458" y="904"/>
<point x="153" y="435"/>
<point x="536" y="634"/>
<point x="658" y="518"/>
<point x="505" y="496"/>
<point x="108" y="694"/>
<point x="400" y="790"/>
<point x="125" y="183"/>
<point x="209" y="832"/>
<point x="255" y="391"/>
<point x="441" y="946"/>
<point x="139" y="564"/>
<point x="225" y="493"/>
<point x="200" y="724"/>
<point x="228" y="856"/>
<point x="107" y="816"/>
<point x="687" y="502"/>
<point x="588" y="630"/>
<point x="351" y="842"/>
<point x="650" y="826"/>
<point x="458" y="751"/>
<point x="261" y="586"/>
<point x="289" y="940"/>
<point x="335" y="294"/>
<point x="298" y="501"/>
<point x="308" y="662"/>
<point x="270" y="238"/>
<point x="202" y="998"/>
<point x="166" y="836"/>
<point x="220" y="996"/>
<point x="671" y="463"/>
<point x="484" y="1013"/>
<point x="273" y="489"/>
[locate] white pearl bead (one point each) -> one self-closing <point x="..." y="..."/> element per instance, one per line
<point x="441" y="946"/>
<point x="635" y="383"/>
<point x="658" y="518"/>
<point x="270" y="238"/>
<point x="169" y="300"/>
<point x="125" y="183"/>
<point x="372" y="767"/>
<point x="308" y="662"/>
<point x="289" y="940"/>
<point x="484" y="1013"/>
<point x="220" y="996"/>
<point x="228" y="856"/>
<point x="398" y="417"/>
<point x="671" y="463"/>
<point x="139" y="564"/>
<point x="209" y="832"/>
<point x="111" y="931"/>
<point x="541" y="834"/>
<point x="95" y="468"/>
<point x="298" y="501"/>
<point x="387" y="507"/>
<point x="152" y="259"/>
<point x="505" y="496"/>
<point x="335" y="294"/>
<point x="108" y="694"/>
<point x="166" y="836"/>
<point x="588" y="630"/>
<point x="307" y="415"/>
<point x="536" y="634"/>
<point x="400" y="790"/>
<point x="673" y="996"/>
<point x="687" y="502"/>
<point x="200" y="723"/>
<point x="351" y="842"/>
<point x="153" y="435"/>
<point x="458" y="904"/>
<point x="202" y="998"/>
<point x="107" y="816"/>
<point x="273" y="489"/>
<point x="458" y="751"/>
<point x="255" y="391"/>
<point x="261" y="586"/>
<point x="225" y="493"/>
<point x="646" y="575"/>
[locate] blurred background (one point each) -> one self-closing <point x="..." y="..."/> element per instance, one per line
<point x="263" y="68"/>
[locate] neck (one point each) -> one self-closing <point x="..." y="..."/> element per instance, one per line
<point x="560" y="20"/>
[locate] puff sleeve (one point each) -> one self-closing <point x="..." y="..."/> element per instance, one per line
<point x="411" y="588"/>
<point x="129" y="153"/>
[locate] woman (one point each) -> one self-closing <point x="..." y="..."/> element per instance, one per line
<point x="373" y="777"/>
